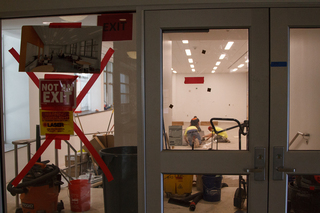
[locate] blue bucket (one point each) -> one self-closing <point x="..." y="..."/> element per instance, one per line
<point x="212" y="187"/>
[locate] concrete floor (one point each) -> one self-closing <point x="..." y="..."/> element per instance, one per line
<point x="225" y="205"/>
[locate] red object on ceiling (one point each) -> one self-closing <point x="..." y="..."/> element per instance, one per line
<point x="194" y="80"/>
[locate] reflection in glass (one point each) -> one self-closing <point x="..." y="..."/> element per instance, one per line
<point x="205" y="74"/>
<point x="304" y="85"/>
<point x="204" y="193"/>
<point x="303" y="193"/>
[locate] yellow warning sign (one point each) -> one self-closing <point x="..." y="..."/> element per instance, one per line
<point x="56" y="122"/>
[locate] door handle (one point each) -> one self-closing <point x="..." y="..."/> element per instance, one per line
<point x="278" y="163"/>
<point x="259" y="164"/>
<point x="255" y="170"/>
<point x="281" y="169"/>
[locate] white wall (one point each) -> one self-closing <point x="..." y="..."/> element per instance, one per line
<point x="167" y="84"/>
<point x="304" y="87"/>
<point x="16" y="97"/>
<point x="227" y="99"/>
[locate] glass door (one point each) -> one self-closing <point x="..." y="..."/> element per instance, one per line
<point x="295" y="118"/>
<point x="206" y="89"/>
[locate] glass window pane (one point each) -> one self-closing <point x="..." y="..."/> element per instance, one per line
<point x="205" y="75"/>
<point x="303" y="193"/>
<point x="204" y="193"/>
<point x="23" y="107"/>
<point x="304" y="86"/>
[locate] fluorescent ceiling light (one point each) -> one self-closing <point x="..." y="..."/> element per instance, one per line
<point x="171" y="68"/>
<point x="188" y="52"/>
<point x="213" y="71"/>
<point x="241" y="65"/>
<point x="191" y="65"/>
<point x="228" y="46"/>
<point x="193" y="70"/>
<point x="234" y="70"/>
<point x="218" y="62"/>
<point x="222" y="56"/>
<point x="73" y="18"/>
<point x="46" y="22"/>
<point x="174" y="71"/>
<point x="215" y="68"/>
<point x="185" y="41"/>
<point x="190" y="60"/>
<point x="247" y="61"/>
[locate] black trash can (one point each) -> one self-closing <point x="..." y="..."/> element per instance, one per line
<point x="121" y="194"/>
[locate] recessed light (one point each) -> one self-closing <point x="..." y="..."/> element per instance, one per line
<point x="234" y="70"/>
<point x="185" y="41"/>
<point x="193" y="70"/>
<point x="222" y="56"/>
<point x="188" y="52"/>
<point x="171" y="68"/>
<point x="190" y="60"/>
<point x="218" y="62"/>
<point x="215" y="68"/>
<point x="191" y="65"/>
<point x="213" y="71"/>
<point x="174" y="71"/>
<point x="241" y="65"/>
<point x="247" y="61"/>
<point x="228" y="46"/>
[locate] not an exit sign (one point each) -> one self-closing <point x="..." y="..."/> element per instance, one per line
<point x="57" y="94"/>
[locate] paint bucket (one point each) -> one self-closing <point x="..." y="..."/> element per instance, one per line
<point x="212" y="187"/>
<point x="79" y="191"/>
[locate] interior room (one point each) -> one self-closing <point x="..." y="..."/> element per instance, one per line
<point x="207" y="87"/>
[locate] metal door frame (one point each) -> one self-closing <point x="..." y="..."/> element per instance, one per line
<point x="157" y="161"/>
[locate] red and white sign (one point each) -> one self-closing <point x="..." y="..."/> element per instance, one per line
<point x="57" y="94"/>
<point x="116" y="27"/>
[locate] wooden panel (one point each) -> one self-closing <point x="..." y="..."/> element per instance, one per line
<point x="177" y="123"/>
<point x="207" y="123"/>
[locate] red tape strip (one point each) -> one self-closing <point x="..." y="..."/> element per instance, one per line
<point x="65" y="25"/>
<point x="33" y="77"/>
<point x="94" y="153"/>
<point x="33" y="160"/>
<point x="60" y="76"/>
<point x="95" y="76"/>
<point x="57" y="144"/>
<point x="15" y="54"/>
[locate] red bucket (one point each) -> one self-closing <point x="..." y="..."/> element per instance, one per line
<point x="79" y="191"/>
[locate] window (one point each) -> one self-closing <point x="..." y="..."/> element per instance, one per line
<point x="89" y="48"/>
<point x="108" y="86"/>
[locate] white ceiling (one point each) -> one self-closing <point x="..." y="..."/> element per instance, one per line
<point x="212" y="42"/>
<point x="206" y="48"/>
<point x="64" y="36"/>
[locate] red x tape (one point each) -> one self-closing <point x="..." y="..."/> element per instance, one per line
<point x="49" y="138"/>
